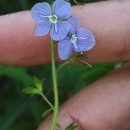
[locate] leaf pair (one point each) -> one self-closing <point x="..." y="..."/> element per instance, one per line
<point x="34" y="90"/>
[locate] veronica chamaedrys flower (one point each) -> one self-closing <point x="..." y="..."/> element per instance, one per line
<point x="53" y="19"/>
<point x="79" y="39"/>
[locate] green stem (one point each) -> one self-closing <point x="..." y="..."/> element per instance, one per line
<point x="61" y="66"/>
<point x="55" y="87"/>
<point x="48" y="102"/>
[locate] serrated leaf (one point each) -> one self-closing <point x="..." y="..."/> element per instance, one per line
<point x="72" y="126"/>
<point x="31" y="90"/>
<point x="38" y="83"/>
<point x="46" y="113"/>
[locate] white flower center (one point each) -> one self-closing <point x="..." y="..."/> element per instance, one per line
<point x="74" y="39"/>
<point x="53" y="18"/>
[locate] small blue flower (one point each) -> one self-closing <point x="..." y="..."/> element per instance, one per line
<point x="52" y="19"/>
<point x="78" y="39"/>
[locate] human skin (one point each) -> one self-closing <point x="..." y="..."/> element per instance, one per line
<point x="104" y="105"/>
<point x="109" y="21"/>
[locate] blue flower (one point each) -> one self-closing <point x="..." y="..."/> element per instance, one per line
<point x="52" y="19"/>
<point x="78" y="39"/>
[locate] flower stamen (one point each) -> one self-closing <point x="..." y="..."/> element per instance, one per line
<point x="56" y="29"/>
<point x="83" y="38"/>
<point x="74" y="40"/>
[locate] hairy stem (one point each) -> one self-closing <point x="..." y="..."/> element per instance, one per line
<point x="55" y="87"/>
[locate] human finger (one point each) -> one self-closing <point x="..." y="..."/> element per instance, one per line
<point x="109" y="21"/>
<point x="104" y="105"/>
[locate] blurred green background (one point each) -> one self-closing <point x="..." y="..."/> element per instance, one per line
<point x="19" y="111"/>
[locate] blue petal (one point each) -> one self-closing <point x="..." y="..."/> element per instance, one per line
<point x="42" y="28"/>
<point x="82" y="43"/>
<point x="65" y="48"/>
<point x="74" y="22"/>
<point x="62" y="9"/>
<point x="62" y="30"/>
<point x="40" y="11"/>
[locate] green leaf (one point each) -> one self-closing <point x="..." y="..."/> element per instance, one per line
<point x="38" y="83"/>
<point x="16" y="73"/>
<point x="58" y="127"/>
<point x="31" y="90"/>
<point x="46" y="113"/>
<point x="14" y="112"/>
<point x="72" y="126"/>
<point x="24" y="4"/>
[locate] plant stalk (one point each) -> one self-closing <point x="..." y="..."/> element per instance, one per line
<point x="47" y="101"/>
<point x="55" y="87"/>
